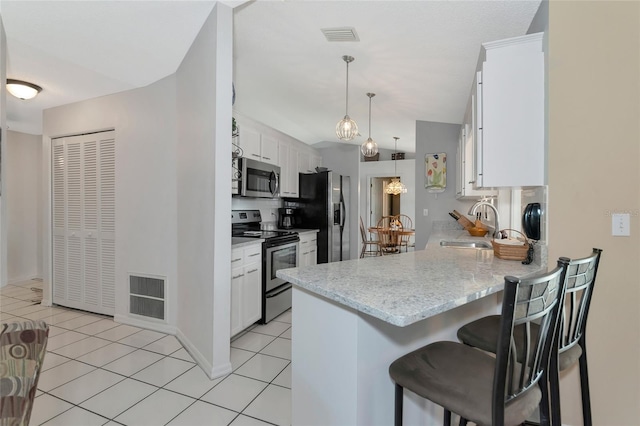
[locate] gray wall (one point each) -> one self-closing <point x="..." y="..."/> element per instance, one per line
<point x="434" y="138"/>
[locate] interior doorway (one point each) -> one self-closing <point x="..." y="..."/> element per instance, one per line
<point x="380" y="203"/>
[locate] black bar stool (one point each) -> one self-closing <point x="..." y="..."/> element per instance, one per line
<point x="487" y="390"/>
<point x="581" y="277"/>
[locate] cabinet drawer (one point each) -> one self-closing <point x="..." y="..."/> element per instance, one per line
<point x="252" y="253"/>
<point x="237" y="258"/>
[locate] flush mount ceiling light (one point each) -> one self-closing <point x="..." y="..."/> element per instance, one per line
<point x="22" y="89"/>
<point x="369" y="148"/>
<point x="347" y="129"/>
<point x="396" y="187"/>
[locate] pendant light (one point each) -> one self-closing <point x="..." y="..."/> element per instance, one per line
<point x="396" y="187"/>
<point x="22" y="89"/>
<point x="347" y="129"/>
<point x="369" y="148"/>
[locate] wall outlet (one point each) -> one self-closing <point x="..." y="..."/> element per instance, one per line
<point x="620" y="224"/>
<point x="425" y="212"/>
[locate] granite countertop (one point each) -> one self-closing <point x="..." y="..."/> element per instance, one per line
<point x="300" y="230"/>
<point x="405" y="288"/>
<point x="239" y="242"/>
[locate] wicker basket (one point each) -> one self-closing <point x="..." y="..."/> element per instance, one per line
<point x="511" y="252"/>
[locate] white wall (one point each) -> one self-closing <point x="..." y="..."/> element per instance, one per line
<point x="145" y="127"/>
<point x="594" y="171"/>
<point x="204" y="81"/>
<point x="406" y="171"/>
<point x="23" y="172"/>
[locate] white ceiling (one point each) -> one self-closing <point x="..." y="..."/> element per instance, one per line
<point x="417" y="56"/>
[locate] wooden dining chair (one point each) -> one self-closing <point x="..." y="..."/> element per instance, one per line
<point x="388" y="240"/>
<point x="370" y="246"/>
<point x="406" y="223"/>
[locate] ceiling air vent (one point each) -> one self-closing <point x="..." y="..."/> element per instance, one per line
<point x="340" y="34"/>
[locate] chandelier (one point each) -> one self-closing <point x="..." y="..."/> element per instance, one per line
<point x="347" y="129"/>
<point x="369" y="148"/>
<point x="396" y="187"/>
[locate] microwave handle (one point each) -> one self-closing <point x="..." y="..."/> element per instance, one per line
<point x="274" y="177"/>
<point x="243" y="177"/>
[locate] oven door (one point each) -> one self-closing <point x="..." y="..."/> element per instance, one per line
<point x="279" y="257"/>
<point x="259" y="179"/>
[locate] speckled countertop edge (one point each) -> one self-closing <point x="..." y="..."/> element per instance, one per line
<point x="405" y="288"/>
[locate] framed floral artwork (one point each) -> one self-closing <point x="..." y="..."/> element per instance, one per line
<point x="435" y="172"/>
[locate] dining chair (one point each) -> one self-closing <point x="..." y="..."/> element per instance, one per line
<point x="487" y="390"/>
<point x="369" y="245"/>
<point x="388" y="239"/>
<point x="571" y="346"/>
<point x="407" y="223"/>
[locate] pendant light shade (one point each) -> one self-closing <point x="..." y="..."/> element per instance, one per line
<point x="347" y="129"/>
<point x="396" y="187"/>
<point x="369" y="148"/>
<point x="22" y="89"/>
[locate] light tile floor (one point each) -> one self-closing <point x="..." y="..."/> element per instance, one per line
<point x="99" y="372"/>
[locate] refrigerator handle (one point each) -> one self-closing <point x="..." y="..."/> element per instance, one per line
<point x="343" y="212"/>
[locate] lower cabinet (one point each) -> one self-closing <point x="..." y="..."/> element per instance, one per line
<point x="246" y="287"/>
<point x="308" y="249"/>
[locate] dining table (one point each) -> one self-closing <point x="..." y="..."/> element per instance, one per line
<point x="391" y="237"/>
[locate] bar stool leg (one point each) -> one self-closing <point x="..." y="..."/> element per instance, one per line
<point x="584" y="387"/>
<point x="398" y="408"/>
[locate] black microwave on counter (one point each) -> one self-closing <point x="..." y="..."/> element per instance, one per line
<point x="257" y="179"/>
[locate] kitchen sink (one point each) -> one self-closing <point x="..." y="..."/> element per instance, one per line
<point x="478" y="245"/>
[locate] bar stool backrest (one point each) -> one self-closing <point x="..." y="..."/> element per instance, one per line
<point x="581" y="278"/>
<point x="525" y="301"/>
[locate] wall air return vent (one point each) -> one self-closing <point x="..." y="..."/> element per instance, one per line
<point x="340" y="34"/>
<point x="147" y="296"/>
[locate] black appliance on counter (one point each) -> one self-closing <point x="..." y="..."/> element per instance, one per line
<point x="531" y="218"/>
<point x="288" y="218"/>
<point x="279" y="251"/>
<point x="324" y="205"/>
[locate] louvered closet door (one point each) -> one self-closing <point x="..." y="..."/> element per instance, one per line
<point x="84" y="222"/>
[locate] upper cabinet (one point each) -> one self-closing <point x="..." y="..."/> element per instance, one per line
<point x="288" y="156"/>
<point x="263" y="143"/>
<point x="466" y="156"/>
<point x="508" y="102"/>
<point x="258" y="146"/>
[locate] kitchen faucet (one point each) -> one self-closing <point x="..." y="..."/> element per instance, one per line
<point x="496" y="230"/>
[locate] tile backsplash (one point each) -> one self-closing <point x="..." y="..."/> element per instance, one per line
<point x="268" y="206"/>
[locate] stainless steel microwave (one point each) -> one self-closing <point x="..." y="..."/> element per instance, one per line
<point x="258" y="179"/>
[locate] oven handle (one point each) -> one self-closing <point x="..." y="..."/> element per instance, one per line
<point x="288" y="287"/>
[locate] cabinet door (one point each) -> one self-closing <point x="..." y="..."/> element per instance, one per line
<point x="269" y="149"/>
<point x="237" y="281"/>
<point x="460" y="165"/>
<point x="250" y="143"/>
<point x="251" y="294"/>
<point x="292" y="173"/>
<point x="478" y="142"/>
<point x="285" y="175"/>
<point x="303" y="162"/>
<point x="304" y="251"/>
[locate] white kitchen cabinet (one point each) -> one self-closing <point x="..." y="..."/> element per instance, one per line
<point x="509" y="109"/>
<point x="308" y="249"/>
<point x="258" y="146"/>
<point x="288" y="158"/>
<point x="466" y="187"/>
<point x="246" y="287"/>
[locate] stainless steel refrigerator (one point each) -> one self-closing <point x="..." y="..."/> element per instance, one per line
<point x="324" y="204"/>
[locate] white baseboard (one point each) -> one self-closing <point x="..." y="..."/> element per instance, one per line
<point x="13" y="281"/>
<point x="149" y="325"/>
<point x="212" y="372"/>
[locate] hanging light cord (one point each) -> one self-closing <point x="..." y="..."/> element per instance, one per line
<point x="395" y="163"/>
<point x="346" y="108"/>
<point x="370" y="96"/>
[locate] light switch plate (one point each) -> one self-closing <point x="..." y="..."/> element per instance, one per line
<point x="425" y="212"/>
<point x="621" y="224"/>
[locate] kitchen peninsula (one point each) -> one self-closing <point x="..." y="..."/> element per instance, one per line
<point x="352" y="319"/>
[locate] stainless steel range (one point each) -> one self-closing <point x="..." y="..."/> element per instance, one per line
<point x="279" y="251"/>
